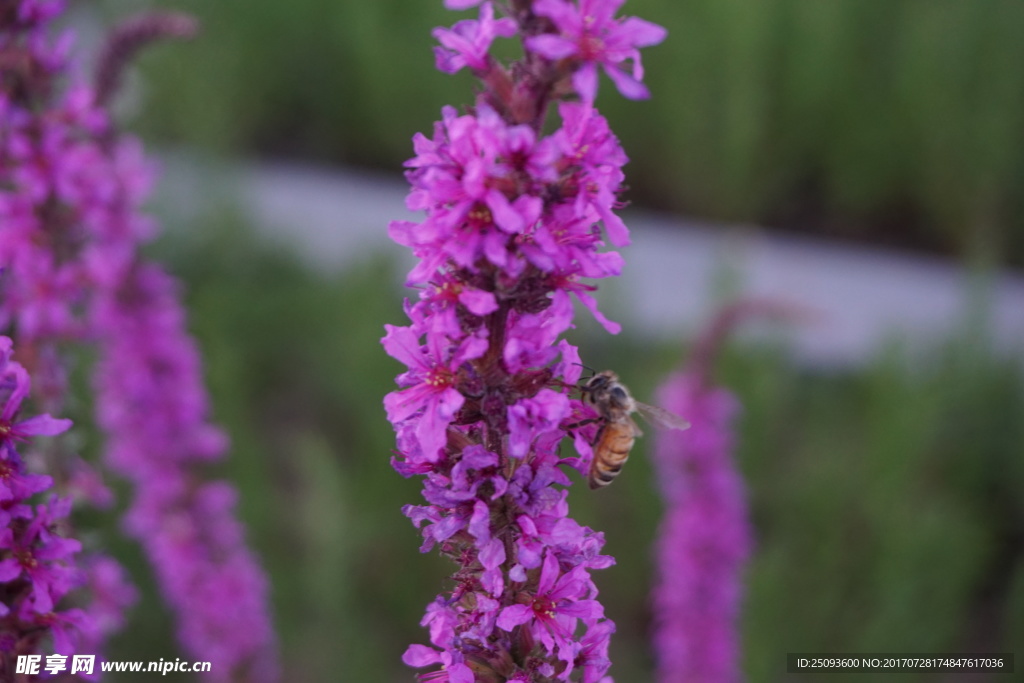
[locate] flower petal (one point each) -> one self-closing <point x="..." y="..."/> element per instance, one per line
<point x="420" y="655"/>
<point x="513" y="616"/>
<point x="42" y="425"/>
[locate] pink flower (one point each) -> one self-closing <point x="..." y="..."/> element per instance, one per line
<point x="40" y="556"/>
<point x="593" y="652"/>
<point x="430" y="395"/>
<point x="591" y="34"/>
<point x="555" y="606"/>
<point x="40" y="425"/>
<point x="467" y="42"/>
<point x="532" y="417"/>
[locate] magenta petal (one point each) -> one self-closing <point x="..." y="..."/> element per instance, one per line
<point x="460" y="673"/>
<point x="582" y="609"/>
<point x="480" y="521"/>
<point x="548" y="574"/>
<point x="478" y="302"/>
<point x="642" y="33"/>
<point x="70" y="625"/>
<point x="401" y="405"/>
<point x="627" y="85"/>
<point x="448" y="403"/>
<point x="470" y="348"/>
<point x="432" y="427"/>
<point x="21" y="387"/>
<point x="505" y="217"/>
<point x="402" y="232"/>
<point x="585" y="82"/>
<point x="513" y="616"/>
<point x="561" y="12"/>
<point x="420" y="655"/>
<point x="10" y="569"/>
<point x="618" y="233"/>
<point x="591" y="304"/>
<point x="42" y="425"/>
<point x="551" y="46"/>
<point x="570" y="367"/>
<point x="403" y="344"/>
<point x="492" y="554"/>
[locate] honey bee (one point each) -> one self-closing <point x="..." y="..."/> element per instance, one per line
<point x="618" y="431"/>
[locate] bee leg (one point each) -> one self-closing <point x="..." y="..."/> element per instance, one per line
<point x="581" y="423"/>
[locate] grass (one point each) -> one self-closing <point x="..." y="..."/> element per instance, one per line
<point x="886" y="500"/>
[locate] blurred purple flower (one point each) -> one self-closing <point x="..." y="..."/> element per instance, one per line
<point x="704" y="541"/>
<point x="71" y="188"/>
<point x="37" y="564"/>
<point x="467" y="42"/>
<point x="590" y="34"/>
<point x="154" y="410"/>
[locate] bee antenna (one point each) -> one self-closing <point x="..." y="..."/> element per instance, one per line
<point x="593" y="374"/>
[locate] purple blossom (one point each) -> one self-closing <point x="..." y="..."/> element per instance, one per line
<point x="467" y="42"/>
<point x="431" y="379"/>
<point x="593" y="652"/>
<point x="590" y="34"/>
<point x="37" y="563"/>
<point x="530" y="418"/>
<point x="552" y="612"/>
<point x="515" y="222"/>
<point x="704" y="540"/>
<point x="154" y="411"/>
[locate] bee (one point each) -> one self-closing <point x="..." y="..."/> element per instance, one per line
<point x="618" y="431"/>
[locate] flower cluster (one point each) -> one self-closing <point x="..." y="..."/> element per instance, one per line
<point x="37" y="563"/>
<point x="71" y="188"/>
<point x="704" y="540"/>
<point x="512" y="228"/>
<point x="154" y="409"/>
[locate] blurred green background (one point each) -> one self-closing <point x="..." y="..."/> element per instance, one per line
<point x="899" y="121"/>
<point x="886" y="498"/>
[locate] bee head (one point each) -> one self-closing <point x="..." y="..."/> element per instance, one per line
<point x="601" y="381"/>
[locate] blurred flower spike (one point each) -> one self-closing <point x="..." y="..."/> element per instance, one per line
<point x="71" y="191"/>
<point x="705" y="537"/>
<point x="515" y="221"/>
<point x="704" y="540"/>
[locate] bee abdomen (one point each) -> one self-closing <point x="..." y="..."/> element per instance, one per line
<point x="612" y="449"/>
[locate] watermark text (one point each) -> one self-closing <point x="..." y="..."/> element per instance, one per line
<point x="87" y="664"/>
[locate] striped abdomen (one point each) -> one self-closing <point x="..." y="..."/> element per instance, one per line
<point x="611" y="450"/>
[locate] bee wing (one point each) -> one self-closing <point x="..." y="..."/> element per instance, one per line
<point x="661" y="417"/>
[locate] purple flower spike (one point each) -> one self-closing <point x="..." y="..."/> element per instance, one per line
<point x="515" y="225"/>
<point x="71" y="190"/>
<point x="704" y="541"/>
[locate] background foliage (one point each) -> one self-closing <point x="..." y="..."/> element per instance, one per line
<point x="891" y="120"/>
